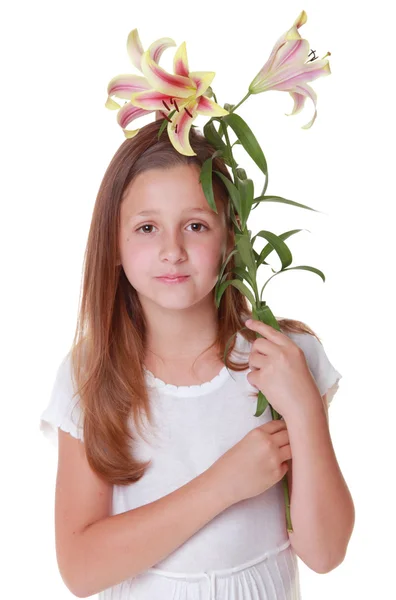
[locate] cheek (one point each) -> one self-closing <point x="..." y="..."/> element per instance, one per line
<point x="208" y="257"/>
<point x="135" y="256"/>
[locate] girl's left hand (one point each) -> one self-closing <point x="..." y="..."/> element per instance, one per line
<point x="281" y="371"/>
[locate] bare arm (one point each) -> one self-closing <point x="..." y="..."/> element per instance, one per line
<point x="119" y="547"/>
<point x="321" y="507"/>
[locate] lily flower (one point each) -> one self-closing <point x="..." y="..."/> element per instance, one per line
<point x="159" y="91"/>
<point x="288" y="69"/>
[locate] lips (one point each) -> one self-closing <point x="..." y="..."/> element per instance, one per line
<point x="171" y="276"/>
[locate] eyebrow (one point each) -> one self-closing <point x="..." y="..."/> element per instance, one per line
<point x="155" y="212"/>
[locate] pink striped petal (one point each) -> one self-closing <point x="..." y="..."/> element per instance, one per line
<point x="306" y="90"/>
<point x="291" y="34"/>
<point x="206" y="106"/>
<point x="152" y="100"/>
<point x="292" y="52"/>
<point x="202" y="80"/>
<point x="299" y="101"/>
<point x="135" y="48"/>
<point x="128" y="113"/>
<point x="180" y="138"/>
<point x="289" y="77"/>
<point x="156" y="48"/>
<point x="303" y="91"/>
<point x="290" y="56"/>
<point x="180" y="61"/>
<point x="123" y="86"/>
<point x="172" y="85"/>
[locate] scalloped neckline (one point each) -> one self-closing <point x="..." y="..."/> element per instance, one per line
<point x="195" y="389"/>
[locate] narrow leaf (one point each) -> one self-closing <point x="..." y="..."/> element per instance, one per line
<point x="283" y="201"/>
<point x="206" y="179"/>
<point x="247" y="139"/>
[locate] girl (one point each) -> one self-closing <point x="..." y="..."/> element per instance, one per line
<point x="167" y="485"/>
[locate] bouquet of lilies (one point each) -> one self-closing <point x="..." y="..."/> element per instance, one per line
<point x="184" y="94"/>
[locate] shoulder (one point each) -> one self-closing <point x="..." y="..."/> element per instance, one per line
<point x="63" y="408"/>
<point x="322" y="369"/>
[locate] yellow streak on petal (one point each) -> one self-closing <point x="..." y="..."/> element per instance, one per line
<point x="202" y="80"/>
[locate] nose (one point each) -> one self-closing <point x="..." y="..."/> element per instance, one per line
<point x="173" y="247"/>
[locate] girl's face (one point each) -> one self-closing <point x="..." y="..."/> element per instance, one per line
<point x="174" y="238"/>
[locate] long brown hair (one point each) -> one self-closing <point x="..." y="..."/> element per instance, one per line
<point x="108" y="346"/>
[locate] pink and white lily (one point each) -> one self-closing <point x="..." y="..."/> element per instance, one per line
<point x="288" y="69"/>
<point x="182" y="91"/>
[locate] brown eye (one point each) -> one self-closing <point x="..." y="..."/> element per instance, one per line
<point x="149" y="225"/>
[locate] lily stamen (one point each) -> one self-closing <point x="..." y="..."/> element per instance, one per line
<point x="165" y="104"/>
<point x="166" y="116"/>
<point x="177" y="108"/>
<point x="188" y="112"/>
<point x="314" y="57"/>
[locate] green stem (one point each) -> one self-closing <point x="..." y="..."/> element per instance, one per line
<point x="285" y="482"/>
<point x="239" y="103"/>
<point x="274" y="413"/>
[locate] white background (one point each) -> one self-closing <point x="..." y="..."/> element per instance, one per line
<point x="57" y="140"/>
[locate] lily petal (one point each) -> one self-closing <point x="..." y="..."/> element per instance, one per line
<point x="202" y="80"/>
<point x="179" y="128"/>
<point x="156" y="48"/>
<point x="135" y="48"/>
<point x="173" y="85"/>
<point x="128" y="113"/>
<point x="180" y="62"/>
<point x="294" y="51"/>
<point x="111" y="104"/>
<point x="299" y="101"/>
<point x="288" y="77"/>
<point x="305" y="90"/>
<point x="291" y="34"/>
<point x="152" y="100"/>
<point x="205" y="106"/>
<point x="123" y="86"/>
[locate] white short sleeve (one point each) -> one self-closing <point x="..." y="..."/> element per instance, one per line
<point x="62" y="410"/>
<point x="325" y="374"/>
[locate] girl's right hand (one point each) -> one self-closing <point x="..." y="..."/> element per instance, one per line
<point x="255" y="463"/>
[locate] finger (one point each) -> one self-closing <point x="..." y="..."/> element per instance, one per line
<point x="281" y="438"/>
<point x="274" y="425"/>
<point x="267" y="331"/>
<point x="285" y="453"/>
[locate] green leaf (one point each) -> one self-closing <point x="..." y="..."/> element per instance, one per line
<point x="284" y="201"/>
<point x="305" y="268"/>
<point x="279" y="246"/>
<point x="232" y="190"/>
<point x="268" y="248"/>
<point x="164" y="124"/>
<point x="262" y="404"/>
<point x="206" y="179"/>
<point x="247" y="139"/>
<point x="213" y="137"/>
<point x="246" y="190"/>
<point x="234" y="251"/>
<point x="239" y="285"/>
<point x="241" y="173"/>
<point x="244" y="275"/>
<point x="244" y="246"/>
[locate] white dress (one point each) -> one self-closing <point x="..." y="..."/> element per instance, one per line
<point x="244" y="553"/>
